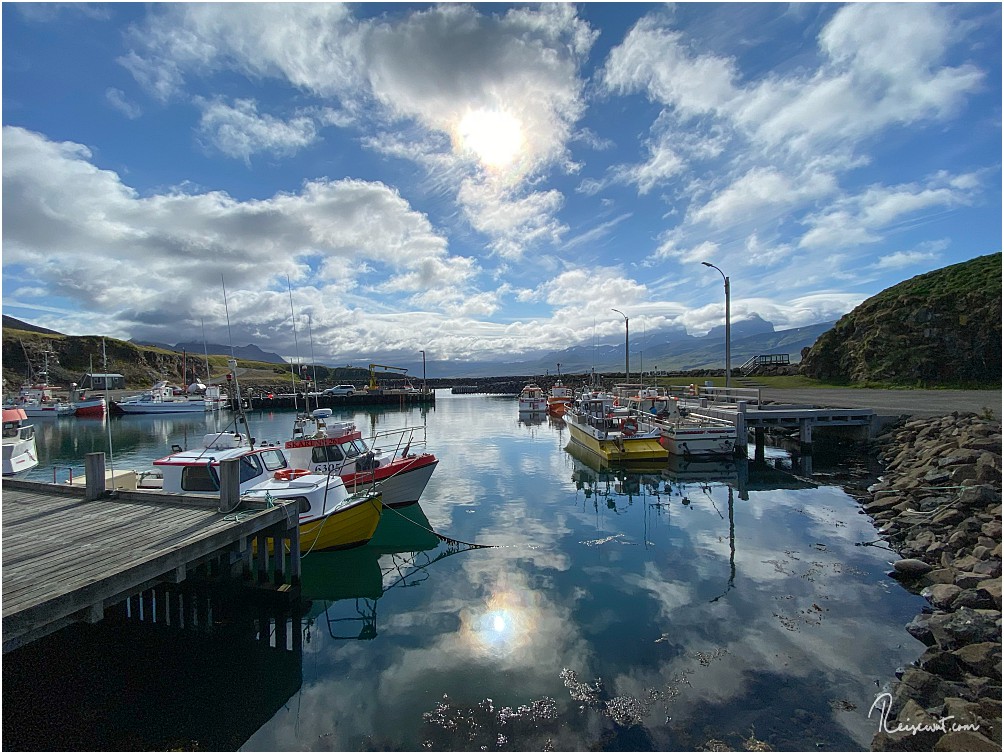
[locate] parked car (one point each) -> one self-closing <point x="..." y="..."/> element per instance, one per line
<point x="341" y="390"/>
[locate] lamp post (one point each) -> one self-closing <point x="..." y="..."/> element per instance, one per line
<point x="728" y="332"/>
<point x="627" y="363"/>
<point x="424" y="388"/>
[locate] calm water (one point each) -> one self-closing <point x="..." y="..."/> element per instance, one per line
<point x="654" y="611"/>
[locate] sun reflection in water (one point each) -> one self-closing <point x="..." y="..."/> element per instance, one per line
<point x="503" y="627"/>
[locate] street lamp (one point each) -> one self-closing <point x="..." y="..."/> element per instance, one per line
<point x="424" y="388"/>
<point x="627" y="363"/>
<point x="728" y="331"/>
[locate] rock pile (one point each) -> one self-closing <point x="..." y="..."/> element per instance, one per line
<point x="939" y="506"/>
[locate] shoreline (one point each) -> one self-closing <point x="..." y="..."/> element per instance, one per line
<point x="938" y="505"/>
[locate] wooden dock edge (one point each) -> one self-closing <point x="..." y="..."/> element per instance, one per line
<point x="232" y="544"/>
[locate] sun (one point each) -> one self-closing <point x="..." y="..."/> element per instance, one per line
<point x="495" y="137"/>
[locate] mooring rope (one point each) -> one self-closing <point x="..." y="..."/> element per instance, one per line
<point x="441" y="537"/>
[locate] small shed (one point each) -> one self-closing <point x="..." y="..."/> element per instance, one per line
<point x="102" y="382"/>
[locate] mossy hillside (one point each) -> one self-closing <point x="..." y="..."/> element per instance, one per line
<point x="937" y="329"/>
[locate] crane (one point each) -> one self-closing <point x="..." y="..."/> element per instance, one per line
<point x="373" y="367"/>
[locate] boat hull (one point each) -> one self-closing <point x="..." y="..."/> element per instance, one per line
<point x="619" y="449"/>
<point x="166" y="407"/>
<point x="90" y="408"/>
<point x="401" y="482"/>
<point x="349" y="525"/>
<point x="19" y="457"/>
<point x="703" y="442"/>
<point x="47" y="411"/>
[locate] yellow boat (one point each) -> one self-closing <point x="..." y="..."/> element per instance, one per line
<point x="350" y="524"/>
<point x="611" y="432"/>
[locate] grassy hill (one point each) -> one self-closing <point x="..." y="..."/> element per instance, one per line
<point x="940" y="329"/>
<point x="70" y="357"/>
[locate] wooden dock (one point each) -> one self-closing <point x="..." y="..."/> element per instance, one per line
<point x="744" y="409"/>
<point x="67" y="558"/>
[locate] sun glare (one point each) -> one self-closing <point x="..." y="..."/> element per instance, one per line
<point x="494" y="136"/>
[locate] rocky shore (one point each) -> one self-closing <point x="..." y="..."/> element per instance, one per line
<point x="938" y="506"/>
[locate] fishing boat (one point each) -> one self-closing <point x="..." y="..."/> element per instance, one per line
<point x="95" y="406"/>
<point x="160" y="399"/>
<point x="559" y="398"/>
<point x="36" y="409"/>
<point x="532" y="400"/>
<point x="336" y="518"/>
<point x="684" y="433"/>
<point x="19" y="453"/>
<point x="338" y="447"/>
<point x="37" y="398"/>
<point x="615" y="433"/>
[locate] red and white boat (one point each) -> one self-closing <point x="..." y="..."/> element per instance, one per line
<point x="559" y="399"/>
<point x="19" y="452"/>
<point x="38" y="402"/>
<point x="90" y="407"/>
<point x="339" y="448"/>
<point x="532" y="400"/>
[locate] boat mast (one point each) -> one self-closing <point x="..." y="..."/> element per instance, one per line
<point x="205" y="348"/>
<point x="296" y="347"/>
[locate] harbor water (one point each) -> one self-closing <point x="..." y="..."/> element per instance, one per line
<point x="679" y="606"/>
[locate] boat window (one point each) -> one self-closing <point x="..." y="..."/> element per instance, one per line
<point x="250" y="467"/>
<point x="326" y="454"/>
<point x="273" y="459"/>
<point x="350" y="450"/>
<point x="199" y="478"/>
<point x="360" y="446"/>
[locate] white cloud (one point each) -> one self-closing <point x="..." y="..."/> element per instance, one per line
<point x="239" y="130"/>
<point x="656" y="60"/>
<point x="62" y="212"/>
<point x="759" y="190"/>
<point x="419" y="75"/>
<point x="865" y="217"/>
<point x="117" y="99"/>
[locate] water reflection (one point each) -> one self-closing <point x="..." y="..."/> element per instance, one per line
<point x="665" y="608"/>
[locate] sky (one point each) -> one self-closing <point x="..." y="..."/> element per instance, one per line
<point x="479" y="182"/>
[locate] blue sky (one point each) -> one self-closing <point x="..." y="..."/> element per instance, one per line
<point x="483" y="181"/>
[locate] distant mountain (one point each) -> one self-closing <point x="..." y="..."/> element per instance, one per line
<point x="16" y="324"/>
<point x="666" y="350"/>
<point x="249" y="352"/>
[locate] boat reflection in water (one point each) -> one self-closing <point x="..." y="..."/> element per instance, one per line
<point x="342" y="588"/>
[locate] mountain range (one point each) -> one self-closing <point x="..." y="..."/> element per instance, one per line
<point x="667" y="350"/>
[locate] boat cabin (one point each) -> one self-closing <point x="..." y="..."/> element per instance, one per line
<point x="190" y="471"/>
<point x="337" y="447"/>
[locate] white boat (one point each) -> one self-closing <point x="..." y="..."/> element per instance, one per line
<point x="683" y="433"/>
<point x="338" y="447"/>
<point x="336" y="518"/>
<point x="532" y="399"/>
<point x="614" y="433"/>
<point x="39" y="410"/>
<point x="160" y="399"/>
<point x="19" y="453"/>
<point x="38" y="401"/>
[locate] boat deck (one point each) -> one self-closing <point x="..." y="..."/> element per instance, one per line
<point x="66" y="558"/>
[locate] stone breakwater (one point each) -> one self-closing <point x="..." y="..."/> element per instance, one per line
<point x="938" y="505"/>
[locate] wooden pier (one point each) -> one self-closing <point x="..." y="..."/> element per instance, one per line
<point x="70" y="553"/>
